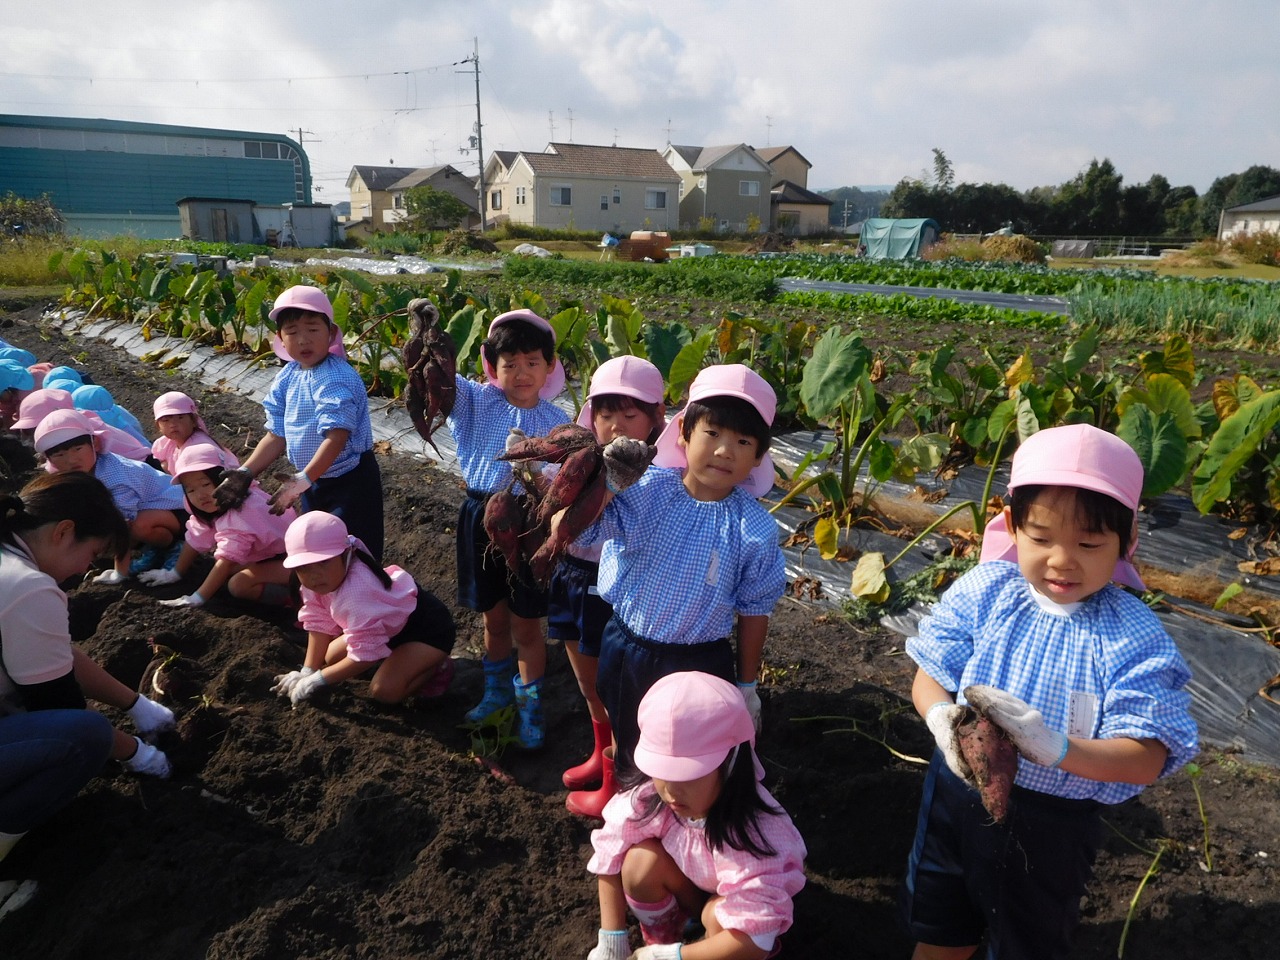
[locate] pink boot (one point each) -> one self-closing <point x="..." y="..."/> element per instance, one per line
<point x="590" y="803"/>
<point x="588" y="773"/>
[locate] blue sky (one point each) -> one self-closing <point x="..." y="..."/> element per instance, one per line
<point x="1012" y="91"/>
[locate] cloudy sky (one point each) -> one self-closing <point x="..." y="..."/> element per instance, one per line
<point x="1014" y="91"/>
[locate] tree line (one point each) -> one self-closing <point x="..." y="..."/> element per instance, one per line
<point x="1095" y="202"/>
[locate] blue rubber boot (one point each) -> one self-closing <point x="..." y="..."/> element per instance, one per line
<point x="532" y="731"/>
<point x="497" y="689"/>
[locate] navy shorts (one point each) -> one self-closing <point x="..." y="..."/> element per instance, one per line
<point x="430" y="623"/>
<point x="630" y="665"/>
<point x="1017" y="884"/>
<point x="575" y="611"/>
<point x="356" y="497"/>
<point x="483" y="578"/>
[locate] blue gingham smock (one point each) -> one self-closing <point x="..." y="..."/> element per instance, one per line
<point x="677" y="569"/>
<point x="136" y="486"/>
<point x="481" y="422"/>
<point x="302" y="405"/>
<point x="988" y="628"/>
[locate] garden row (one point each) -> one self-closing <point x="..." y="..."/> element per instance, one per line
<point x="944" y="408"/>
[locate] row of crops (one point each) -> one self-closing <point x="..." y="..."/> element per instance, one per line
<point x="943" y="407"/>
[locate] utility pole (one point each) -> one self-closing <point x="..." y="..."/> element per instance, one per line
<point x="478" y="139"/>
<point x="307" y="192"/>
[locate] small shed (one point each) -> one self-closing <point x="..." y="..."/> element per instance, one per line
<point x="216" y="219"/>
<point x="1260" y="216"/>
<point x="898" y="239"/>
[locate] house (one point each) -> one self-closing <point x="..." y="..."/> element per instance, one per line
<point x="371" y="197"/>
<point x="794" y="209"/>
<point x="580" y="187"/>
<point x="723" y="188"/>
<point x="113" y="177"/>
<point x="447" y="179"/>
<point x="1261" y="216"/>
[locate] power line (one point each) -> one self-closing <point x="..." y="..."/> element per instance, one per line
<point x="210" y="80"/>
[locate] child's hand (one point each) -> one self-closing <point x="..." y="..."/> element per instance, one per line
<point x="160" y="577"/>
<point x="233" y="489"/>
<point x="148" y="761"/>
<point x="191" y="600"/>
<point x="304" y="688"/>
<point x="291" y="488"/>
<point x="1023" y="723"/>
<point x="111" y="577"/>
<point x="625" y="461"/>
<point x="751" y="697"/>
<point x="285" y="682"/>
<point x="150" y="717"/>
<point x="657" y="951"/>
<point x="942" y="720"/>
<point x="610" y="945"/>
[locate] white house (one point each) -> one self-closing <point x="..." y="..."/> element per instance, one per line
<point x="1261" y="216"/>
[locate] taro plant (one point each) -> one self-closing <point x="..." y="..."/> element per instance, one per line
<point x="1240" y="467"/>
<point x="959" y="401"/>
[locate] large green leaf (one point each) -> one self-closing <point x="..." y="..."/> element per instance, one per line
<point x="664" y="343"/>
<point x="839" y="360"/>
<point x="1235" y="442"/>
<point x="1161" y="445"/>
<point x="686" y="366"/>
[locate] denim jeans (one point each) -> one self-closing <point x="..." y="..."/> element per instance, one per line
<point x="45" y="758"/>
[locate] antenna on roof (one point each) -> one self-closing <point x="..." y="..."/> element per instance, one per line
<point x="668" y="131"/>
<point x="615" y="136"/>
<point x="768" y="128"/>
<point x="551" y="124"/>
<point x="570" y="109"/>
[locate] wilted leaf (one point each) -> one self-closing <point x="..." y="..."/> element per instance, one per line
<point x="826" y="535"/>
<point x="869" y="580"/>
<point x="1261" y="568"/>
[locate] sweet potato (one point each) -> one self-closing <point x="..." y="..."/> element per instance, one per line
<point x="578" y="469"/>
<point x="503" y="522"/>
<point x="577" y="517"/>
<point x="559" y="443"/>
<point x="430" y="362"/>
<point x="993" y="759"/>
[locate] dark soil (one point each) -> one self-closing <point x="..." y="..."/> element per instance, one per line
<point x="345" y="829"/>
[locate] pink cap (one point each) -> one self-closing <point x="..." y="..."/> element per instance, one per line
<point x="555" y="379"/>
<point x="625" y="376"/>
<point x="301" y="297"/>
<point x="176" y="403"/>
<point x="688" y="724"/>
<point x="1077" y="455"/>
<point x="725" y="380"/>
<point x="199" y="456"/>
<point x="61" y="426"/>
<point x="38" y="404"/>
<point x="315" y="536"/>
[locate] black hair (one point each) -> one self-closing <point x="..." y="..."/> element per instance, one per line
<point x="367" y="559"/>
<point x="69" y="444"/>
<point x="616" y="402"/>
<point x="734" y="817"/>
<point x="518" y="336"/>
<point x="295" y="313"/>
<point x="730" y="413"/>
<point x="53" y="497"/>
<point x="1096" y="512"/>
<point x="215" y="475"/>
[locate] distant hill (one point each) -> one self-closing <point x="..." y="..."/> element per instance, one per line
<point x="852" y="204"/>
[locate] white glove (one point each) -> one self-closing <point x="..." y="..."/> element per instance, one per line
<point x="942" y="719"/>
<point x="148" y="761"/>
<point x="514" y="437"/>
<point x="150" y="717"/>
<point x="610" y="945"/>
<point x="191" y="600"/>
<point x="290" y="490"/>
<point x="751" y="697"/>
<point x="304" y="688"/>
<point x="160" y="577"/>
<point x="625" y="461"/>
<point x="285" y="682"/>
<point x="657" y="951"/>
<point x="1023" y="723"/>
<point x="111" y="576"/>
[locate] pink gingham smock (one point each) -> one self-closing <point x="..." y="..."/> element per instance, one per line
<point x="248" y="534"/>
<point x="362" y="611"/>
<point x="757" y="891"/>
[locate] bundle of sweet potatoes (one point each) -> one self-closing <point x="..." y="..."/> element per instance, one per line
<point x="521" y="527"/>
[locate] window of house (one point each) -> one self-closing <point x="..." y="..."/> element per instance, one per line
<point x="397" y="201"/>
<point x="495" y="200"/>
<point x="561" y="195"/>
<point x="748" y="188"/>
<point x="617" y="195"/>
<point x="681" y="193"/>
<point x="252" y="148"/>
<point x="520" y="196"/>
<point x="655" y="199"/>
<point x="604" y="201"/>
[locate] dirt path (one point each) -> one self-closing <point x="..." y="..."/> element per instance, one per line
<point x="347" y="830"/>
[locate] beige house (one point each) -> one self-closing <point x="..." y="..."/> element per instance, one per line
<point x="447" y="179"/>
<point x="723" y="188"/>
<point x="794" y="209"/>
<point x="1261" y="216"/>
<point x="371" y="197"/>
<point x="578" y="187"/>
<point x="787" y="163"/>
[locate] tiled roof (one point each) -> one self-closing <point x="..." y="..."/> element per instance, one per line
<point x="784" y="191"/>
<point x="380" y="178"/>
<point x="771" y="154"/>
<point x="573" y="159"/>
<point x="1264" y="205"/>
